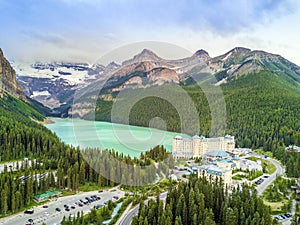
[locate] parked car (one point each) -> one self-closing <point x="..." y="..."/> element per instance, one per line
<point x="99" y="206"/>
<point x="278" y="217"/>
<point x="72" y="207"/>
<point x="58" y="209"/>
<point x="259" y="181"/>
<point x="45" y="206"/>
<point x="29" y="211"/>
<point x="288" y="215"/>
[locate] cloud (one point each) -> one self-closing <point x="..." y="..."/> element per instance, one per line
<point x="81" y="26"/>
<point x="48" y="38"/>
<point x="227" y="16"/>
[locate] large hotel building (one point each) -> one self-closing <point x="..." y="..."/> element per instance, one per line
<point x="198" y="146"/>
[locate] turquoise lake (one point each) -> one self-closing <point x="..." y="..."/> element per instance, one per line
<point x="130" y="140"/>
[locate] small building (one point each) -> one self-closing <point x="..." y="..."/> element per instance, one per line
<point x="173" y="177"/>
<point x="251" y="165"/>
<point x="215" y="172"/>
<point x="187" y="174"/>
<point x="180" y="168"/>
<point x="47" y="195"/>
<point x="293" y="148"/>
<point x="194" y="168"/>
<point x="216" y="155"/>
<point x="228" y="164"/>
<point x="241" y="151"/>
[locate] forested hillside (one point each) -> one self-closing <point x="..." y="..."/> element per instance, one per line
<point x="261" y="109"/>
<point x="21" y="137"/>
<point x="201" y="202"/>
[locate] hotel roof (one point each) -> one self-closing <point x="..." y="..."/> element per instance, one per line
<point x="178" y="137"/>
<point x="219" y="153"/>
<point x="212" y="169"/>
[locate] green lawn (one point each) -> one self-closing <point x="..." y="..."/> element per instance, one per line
<point x="268" y="167"/>
<point x="239" y="176"/>
<point x="275" y="206"/>
<point x="88" y="187"/>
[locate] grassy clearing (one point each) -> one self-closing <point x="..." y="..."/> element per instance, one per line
<point x="88" y="187"/>
<point x="249" y="175"/>
<point x="276" y="207"/>
<point x="67" y="192"/>
<point x="239" y="176"/>
<point x="267" y="166"/>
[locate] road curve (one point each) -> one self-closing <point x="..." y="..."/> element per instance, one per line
<point x="128" y="218"/>
<point x="279" y="172"/>
<point x="260" y="189"/>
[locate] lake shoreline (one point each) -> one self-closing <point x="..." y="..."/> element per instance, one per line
<point x="126" y="139"/>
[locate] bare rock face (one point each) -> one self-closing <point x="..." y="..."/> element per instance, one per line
<point x="8" y="80"/>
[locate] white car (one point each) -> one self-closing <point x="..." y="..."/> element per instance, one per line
<point x="46" y="214"/>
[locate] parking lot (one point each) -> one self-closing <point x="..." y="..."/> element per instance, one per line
<point x="49" y="213"/>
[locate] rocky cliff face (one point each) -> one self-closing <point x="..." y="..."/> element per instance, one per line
<point x="8" y="80"/>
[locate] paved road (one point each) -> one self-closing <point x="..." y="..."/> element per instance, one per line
<point x="55" y="217"/>
<point x="288" y="221"/>
<point x="128" y="218"/>
<point x="260" y="189"/>
<point x="267" y="181"/>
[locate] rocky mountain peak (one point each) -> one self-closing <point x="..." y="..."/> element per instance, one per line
<point x="240" y="50"/>
<point x="8" y="80"/>
<point x="113" y="64"/>
<point x="201" y="52"/>
<point x="145" y="55"/>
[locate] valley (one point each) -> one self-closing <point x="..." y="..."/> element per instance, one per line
<point x="261" y="96"/>
<point x="149" y="112"/>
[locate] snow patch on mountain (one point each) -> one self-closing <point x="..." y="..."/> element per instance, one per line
<point x="40" y="93"/>
<point x="227" y="56"/>
<point x="73" y="73"/>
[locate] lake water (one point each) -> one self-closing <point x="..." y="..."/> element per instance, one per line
<point x="130" y="140"/>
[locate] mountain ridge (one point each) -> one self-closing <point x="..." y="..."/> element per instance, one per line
<point x="147" y="69"/>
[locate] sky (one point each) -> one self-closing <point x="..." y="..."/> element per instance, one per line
<point x="84" y="30"/>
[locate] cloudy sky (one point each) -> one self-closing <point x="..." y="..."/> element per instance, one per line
<point x="82" y="30"/>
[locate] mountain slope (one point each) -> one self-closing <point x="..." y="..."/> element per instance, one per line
<point x="13" y="102"/>
<point x="20" y="134"/>
<point x="55" y="84"/>
<point x="261" y="92"/>
<point x="8" y="79"/>
<point x="241" y="61"/>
